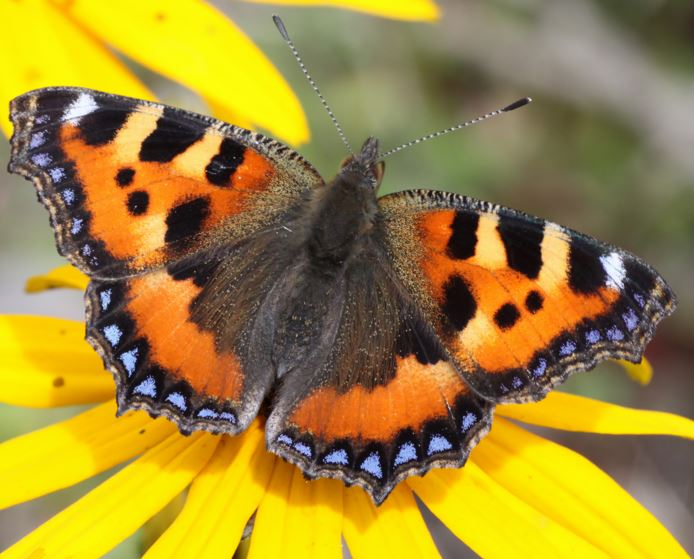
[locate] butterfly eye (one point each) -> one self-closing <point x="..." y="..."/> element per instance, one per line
<point x="346" y="161"/>
<point x="378" y="170"/>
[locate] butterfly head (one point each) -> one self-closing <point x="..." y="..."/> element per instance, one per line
<point x="365" y="166"/>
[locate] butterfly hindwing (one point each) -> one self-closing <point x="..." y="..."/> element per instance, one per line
<point x="378" y="400"/>
<point x="185" y="341"/>
<point x="131" y="185"/>
<point x="518" y="302"/>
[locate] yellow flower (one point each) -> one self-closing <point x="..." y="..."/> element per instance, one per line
<point x="519" y="495"/>
<point x="69" y="42"/>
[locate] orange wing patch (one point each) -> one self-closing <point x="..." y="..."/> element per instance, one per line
<point x="418" y="393"/>
<point x="134" y="204"/>
<point x="159" y="305"/>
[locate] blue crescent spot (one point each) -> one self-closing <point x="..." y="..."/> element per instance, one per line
<point x="207" y="413"/>
<point x="338" y="456"/>
<point x="37" y="140"/>
<point x="285" y="439"/>
<point x="147" y="387"/>
<point x="567" y="348"/>
<point x="57" y="174"/>
<point x="639" y="300"/>
<point x="303" y="448"/>
<point x="113" y="334"/>
<point x="178" y="400"/>
<point x="630" y="319"/>
<point x="614" y="334"/>
<point x="129" y="360"/>
<point x="406" y="453"/>
<point x="438" y="443"/>
<point x="68" y="196"/>
<point x="593" y="336"/>
<point x="516" y="382"/>
<point x="76" y="225"/>
<point x="41" y="159"/>
<point x="540" y="368"/>
<point x="105" y="299"/>
<point x="469" y="419"/>
<point x="372" y="465"/>
<point x="227" y="416"/>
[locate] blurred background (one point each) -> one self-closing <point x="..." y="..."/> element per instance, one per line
<point x="607" y="147"/>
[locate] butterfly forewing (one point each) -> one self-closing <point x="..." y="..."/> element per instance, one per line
<point x="518" y="302"/>
<point x="132" y="185"/>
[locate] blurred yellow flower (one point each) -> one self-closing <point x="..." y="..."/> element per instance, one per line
<point x="519" y="495"/>
<point x="70" y="42"/>
<point x="422" y="10"/>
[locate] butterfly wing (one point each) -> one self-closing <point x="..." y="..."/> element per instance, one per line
<point x="377" y="399"/>
<point x="131" y="185"/>
<point x="518" y="302"/>
<point x="149" y="201"/>
<point x="183" y="341"/>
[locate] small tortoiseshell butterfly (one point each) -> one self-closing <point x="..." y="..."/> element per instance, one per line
<point x="376" y="335"/>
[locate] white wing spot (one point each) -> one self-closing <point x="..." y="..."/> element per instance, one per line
<point x="614" y="268"/>
<point x="80" y="107"/>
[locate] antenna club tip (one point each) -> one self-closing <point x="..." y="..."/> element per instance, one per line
<point x="517" y="104"/>
<point x="280" y="26"/>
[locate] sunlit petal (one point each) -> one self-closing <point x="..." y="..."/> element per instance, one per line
<point x="40" y="47"/>
<point x="46" y="362"/>
<point x="68" y="452"/>
<point x="66" y="276"/>
<point x="115" y="509"/>
<point x="423" y="10"/>
<point x="592" y="494"/>
<point x="577" y="413"/>
<point x="395" y="529"/>
<point x="220" y="501"/>
<point x="640" y="372"/>
<point x="533" y="486"/>
<point x="193" y="43"/>
<point x="298" y="518"/>
<point x="492" y="521"/>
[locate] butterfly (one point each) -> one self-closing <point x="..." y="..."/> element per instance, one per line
<point x="229" y="280"/>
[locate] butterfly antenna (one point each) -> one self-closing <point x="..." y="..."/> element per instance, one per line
<point x="283" y="31"/>
<point x="508" y="108"/>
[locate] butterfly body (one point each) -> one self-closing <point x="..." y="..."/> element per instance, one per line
<point x="377" y="334"/>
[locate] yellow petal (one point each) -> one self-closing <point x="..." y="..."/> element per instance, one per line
<point x="40" y="47"/>
<point x="550" y="497"/>
<point x="423" y="10"/>
<point x="298" y="518"/>
<point x="46" y="362"/>
<point x="492" y="521"/>
<point x="640" y="372"/>
<point x="115" y="509"/>
<point x="560" y="410"/>
<point x="68" y="452"/>
<point x="193" y="43"/>
<point x="220" y="501"/>
<point x="562" y="483"/>
<point x="395" y="529"/>
<point x="63" y="276"/>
